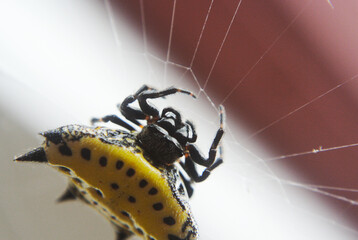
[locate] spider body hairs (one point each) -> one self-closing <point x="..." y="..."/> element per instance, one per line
<point x="133" y="177"/>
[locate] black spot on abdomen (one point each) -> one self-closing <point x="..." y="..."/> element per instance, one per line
<point x="99" y="193"/>
<point x="130" y="172"/>
<point x="103" y="161"/>
<point x="143" y="183"/>
<point x="158" y="206"/>
<point x="132" y="199"/>
<point x="140" y="231"/>
<point x="169" y="221"/>
<point x="65" y="150"/>
<point x="124" y="213"/>
<point x="86" y="154"/>
<point x="119" y="164"/>
<point x="77" y="180"/>
<point x="153" y="191"/>
<point x="64" y="169"/>
<point x="114" y="186"/>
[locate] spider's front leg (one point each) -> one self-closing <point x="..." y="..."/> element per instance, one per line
<point x="152" y="110"/>
<point x="146" y="110"/>
<point x="129" y="113"/>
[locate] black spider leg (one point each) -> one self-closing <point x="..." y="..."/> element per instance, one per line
<point x="150" y="110"/>
<point x="211" y="162"/>
<point x="113" y="119"/>
<point x="170" y="120"/>
<point x="145" y="110"/>
<point x="131" y="113"/>
<point x="186" y="134"/>
<point x="171" y="113"/>
<point x="117" y="120"/>
<point x="187" y="184"/>
<point x="193" y="132"/>
<point x="142" y="89"/>
<point x="190" y="169"/>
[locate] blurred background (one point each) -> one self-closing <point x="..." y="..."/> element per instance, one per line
<point x="285" y="71"/>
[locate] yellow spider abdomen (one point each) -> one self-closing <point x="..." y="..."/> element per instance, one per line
<point x="122" y="185"/>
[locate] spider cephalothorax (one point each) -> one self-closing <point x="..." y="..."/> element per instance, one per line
<point x="165" y="140"/>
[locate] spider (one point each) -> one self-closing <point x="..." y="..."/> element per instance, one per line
<point x="165" y="138"/>
<point x="130" y="176"/>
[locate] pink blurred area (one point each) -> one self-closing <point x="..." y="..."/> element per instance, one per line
<point x="286" y="70"/>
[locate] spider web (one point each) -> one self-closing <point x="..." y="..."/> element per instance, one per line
<point x="253" y="190"/>
<point x="261" y="165"/>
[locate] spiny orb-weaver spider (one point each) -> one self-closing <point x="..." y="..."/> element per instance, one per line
<point x="137" y="179"/>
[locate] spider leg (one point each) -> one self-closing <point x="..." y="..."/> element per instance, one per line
<point x="187" y="184"/>
<point x="198" y="158"/>
<point x="174" y="115"/>
<point x="194" y="155"/>
<point x="186" y="134"/>
<point x="190" y="169"/>
<point x="151" y="110"/>
<point x="142" y="89"/>
<point x="145" y="92"/>
<point x="113" y="119"/>
<point x="193" y="132"/>
<point x="170" y="120"/>
<point x="130" y="113"/>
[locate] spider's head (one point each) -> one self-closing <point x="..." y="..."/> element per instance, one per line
<point x="165" y="140"/>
